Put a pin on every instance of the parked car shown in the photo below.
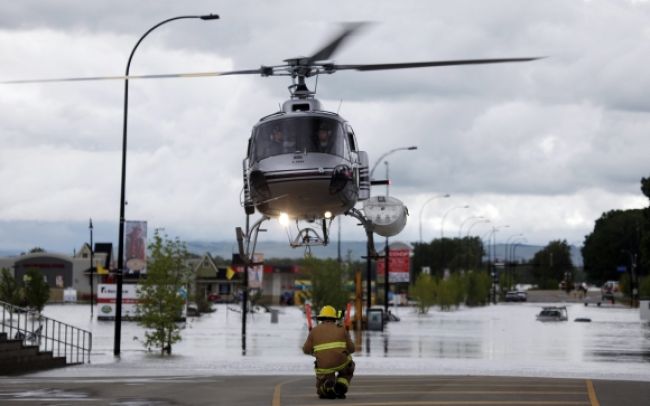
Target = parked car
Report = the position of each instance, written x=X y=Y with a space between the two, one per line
x=608 y=290
x=516 y=296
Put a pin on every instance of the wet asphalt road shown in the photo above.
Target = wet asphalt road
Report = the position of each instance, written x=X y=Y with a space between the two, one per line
x=299 y=390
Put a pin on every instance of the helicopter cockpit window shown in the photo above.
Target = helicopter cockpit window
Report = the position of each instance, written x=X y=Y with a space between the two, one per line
x=299 y=134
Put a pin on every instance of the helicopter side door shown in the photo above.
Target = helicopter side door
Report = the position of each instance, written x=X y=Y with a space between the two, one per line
x=360 y=165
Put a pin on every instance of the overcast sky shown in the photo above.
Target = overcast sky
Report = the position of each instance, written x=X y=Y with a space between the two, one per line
x=545 y=147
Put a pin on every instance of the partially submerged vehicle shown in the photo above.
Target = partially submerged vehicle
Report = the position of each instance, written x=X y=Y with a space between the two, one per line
x=553 y=313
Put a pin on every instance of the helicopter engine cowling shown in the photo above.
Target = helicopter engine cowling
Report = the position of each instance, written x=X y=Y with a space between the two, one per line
x=342 y=176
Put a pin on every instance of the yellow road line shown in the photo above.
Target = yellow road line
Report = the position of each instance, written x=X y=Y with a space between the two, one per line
x=592 y=393
x=470 y=379
x=463 y=402
x=459 y=392
x=277 y=391
x=490 y=385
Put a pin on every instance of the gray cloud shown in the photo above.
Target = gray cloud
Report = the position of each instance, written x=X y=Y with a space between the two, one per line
x=545 y=146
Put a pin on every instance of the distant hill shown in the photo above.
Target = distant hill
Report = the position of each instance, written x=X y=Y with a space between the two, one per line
x=356 y=249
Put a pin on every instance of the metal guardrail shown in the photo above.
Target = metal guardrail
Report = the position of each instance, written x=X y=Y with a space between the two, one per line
x=48 y=334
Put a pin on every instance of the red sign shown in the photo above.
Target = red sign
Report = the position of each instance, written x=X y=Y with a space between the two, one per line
x=399 y=263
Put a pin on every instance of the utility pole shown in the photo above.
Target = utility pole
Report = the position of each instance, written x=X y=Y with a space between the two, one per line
x=386 y=253
x=92 y=267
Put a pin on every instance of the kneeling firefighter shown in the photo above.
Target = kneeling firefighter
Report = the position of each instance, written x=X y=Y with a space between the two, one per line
x=330 y=343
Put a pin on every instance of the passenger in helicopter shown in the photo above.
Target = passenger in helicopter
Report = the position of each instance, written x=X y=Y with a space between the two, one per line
x=324 y=136
x=276 y=142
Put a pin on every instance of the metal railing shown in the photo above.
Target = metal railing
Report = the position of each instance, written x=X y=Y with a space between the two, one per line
x=62 y=339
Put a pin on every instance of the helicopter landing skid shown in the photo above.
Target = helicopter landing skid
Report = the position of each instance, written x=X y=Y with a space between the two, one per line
x=309 y=236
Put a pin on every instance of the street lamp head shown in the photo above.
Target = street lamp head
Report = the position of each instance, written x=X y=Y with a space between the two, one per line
x=209 y=17
x=414 y=147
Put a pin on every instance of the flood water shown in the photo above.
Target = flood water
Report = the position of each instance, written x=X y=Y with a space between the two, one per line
x=503 y=339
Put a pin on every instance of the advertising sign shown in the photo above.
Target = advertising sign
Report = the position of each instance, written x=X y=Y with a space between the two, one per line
x=106 y=301
x=256 y=272
x=135 y=253
x=399 y=262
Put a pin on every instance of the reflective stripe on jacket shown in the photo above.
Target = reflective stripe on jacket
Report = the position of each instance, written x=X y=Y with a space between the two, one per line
x=331 y=345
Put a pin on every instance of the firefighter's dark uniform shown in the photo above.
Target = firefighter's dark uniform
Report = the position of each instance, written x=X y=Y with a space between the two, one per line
x=332 y=346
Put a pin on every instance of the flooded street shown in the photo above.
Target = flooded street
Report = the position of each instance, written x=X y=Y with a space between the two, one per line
x=503 y=339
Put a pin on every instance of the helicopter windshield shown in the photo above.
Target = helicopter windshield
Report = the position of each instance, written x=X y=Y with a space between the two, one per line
x=298 y=134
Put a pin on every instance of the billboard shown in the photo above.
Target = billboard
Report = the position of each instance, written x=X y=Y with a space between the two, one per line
x=135 y=252
x=256 y=272
x=106 y=300
x=399 y=263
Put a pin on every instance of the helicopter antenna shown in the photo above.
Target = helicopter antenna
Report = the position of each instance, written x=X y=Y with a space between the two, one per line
x=340 y=104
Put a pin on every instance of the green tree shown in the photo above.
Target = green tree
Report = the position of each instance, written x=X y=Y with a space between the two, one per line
x=10 y=292
x=37 y=291
x=644 y=288
x=616 y=237
x=450 y=292
x=423 y=291
x=477 y=288
x=447 y=253
x=644 y=260
x=551 y=263
x=328 y=279
x=161 y=304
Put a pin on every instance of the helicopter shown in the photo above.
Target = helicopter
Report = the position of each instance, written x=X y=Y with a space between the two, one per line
x=303 y=163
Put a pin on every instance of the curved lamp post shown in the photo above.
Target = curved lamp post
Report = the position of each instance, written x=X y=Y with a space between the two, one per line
x=442 y=222
x=386 y=250
x=411 y=148
x=460 y=229
x=120 y=246
x=424 y=205
x=505 y=248
x=469 y=229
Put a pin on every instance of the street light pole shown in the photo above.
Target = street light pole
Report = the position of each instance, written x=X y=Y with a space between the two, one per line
x=411 y=148
x=469 y=229
x=92 y=267
x=386 y=250
x=424 y=205
x=442 y=222
x=120 y=245
x=460 y=229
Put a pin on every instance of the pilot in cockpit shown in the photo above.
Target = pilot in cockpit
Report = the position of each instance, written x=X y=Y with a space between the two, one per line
x=324 y=138
x=276 y=140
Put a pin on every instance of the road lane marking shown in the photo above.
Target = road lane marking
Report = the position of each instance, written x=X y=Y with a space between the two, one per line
x=488 y=385
x=277 y=391
x=459 y=392
x=466 y=402
x=462 y=402
x=592 y=393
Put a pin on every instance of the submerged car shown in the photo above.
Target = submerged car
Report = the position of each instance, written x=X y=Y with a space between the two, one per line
x=553 y=313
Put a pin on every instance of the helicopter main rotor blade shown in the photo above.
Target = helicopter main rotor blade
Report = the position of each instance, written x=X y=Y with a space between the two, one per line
x=328 y=50
x=407 y=65
x=259 y=71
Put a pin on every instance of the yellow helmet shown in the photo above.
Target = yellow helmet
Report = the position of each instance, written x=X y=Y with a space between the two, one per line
x=327 y=312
